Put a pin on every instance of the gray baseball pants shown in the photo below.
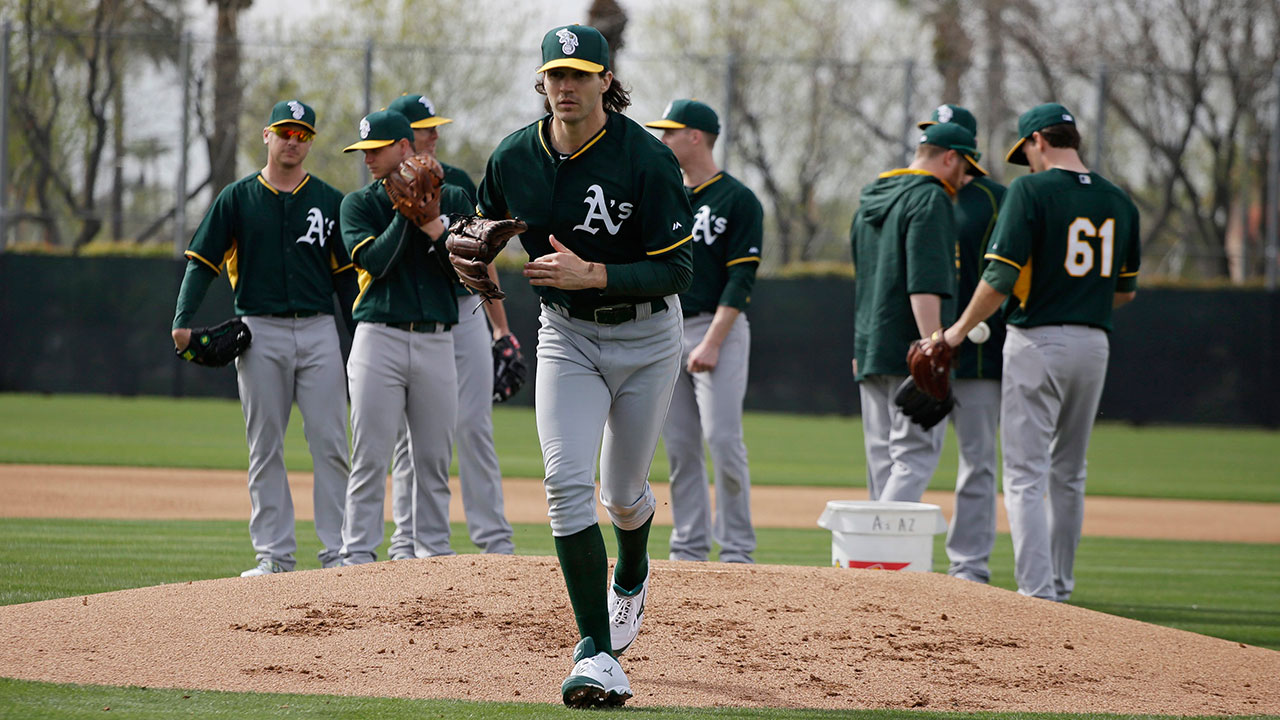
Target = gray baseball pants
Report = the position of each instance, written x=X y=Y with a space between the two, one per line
x=294 y=359
x=972 y=533
x=396 y=375
x=708 y=406
x=601 y=397
x=901 y=455
x=478 y=470
x=1052 y=383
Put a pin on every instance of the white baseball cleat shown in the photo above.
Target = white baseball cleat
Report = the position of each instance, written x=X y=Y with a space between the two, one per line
x=626 y=610
x=266 y=567
x=597 y=679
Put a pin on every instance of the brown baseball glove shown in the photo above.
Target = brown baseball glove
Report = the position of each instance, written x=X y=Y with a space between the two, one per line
x=930 y=364
x=414 y=188
x=473 y=243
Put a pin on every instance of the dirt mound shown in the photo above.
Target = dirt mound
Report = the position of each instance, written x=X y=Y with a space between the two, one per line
x=499 y=628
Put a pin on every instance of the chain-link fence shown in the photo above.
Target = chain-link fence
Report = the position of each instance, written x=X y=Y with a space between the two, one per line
x=120 y=138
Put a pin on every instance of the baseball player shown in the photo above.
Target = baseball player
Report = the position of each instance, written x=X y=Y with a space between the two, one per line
x=904 y=249
x=1066 y=248
x=608 y=234
x=274 y=232
x=401 y=362
x=707 y=402
x=478 y=470
x=976 y=386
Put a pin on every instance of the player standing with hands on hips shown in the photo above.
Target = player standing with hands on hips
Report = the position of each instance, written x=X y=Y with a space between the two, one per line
x=904 y=247
x=276 y=233
x=608 y=233
x=1066 y=248
x=478 y=471
x=728 y=227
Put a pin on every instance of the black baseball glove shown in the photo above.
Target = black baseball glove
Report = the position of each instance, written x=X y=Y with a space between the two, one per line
x=218 y=345
x=508 y=368
x=924 y=409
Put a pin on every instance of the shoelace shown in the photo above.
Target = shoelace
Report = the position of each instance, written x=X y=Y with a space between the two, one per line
x=623 y=612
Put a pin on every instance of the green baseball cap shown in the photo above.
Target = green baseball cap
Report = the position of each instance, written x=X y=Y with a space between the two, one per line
x=688 y=114
x=952 y=114
x=292 y=112
x=1033 y=121
x=381 y=128
x=580 y=47
x=955 y=137
x=420 y=111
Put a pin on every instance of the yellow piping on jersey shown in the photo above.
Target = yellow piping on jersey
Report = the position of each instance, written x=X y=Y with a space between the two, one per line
x=266 y=184
x=356 y=249
x=301 y=184
x=590 y=142
x=1022 y=286
x=581 y=150
x=233 y=265
x=196 y=256
x=913 y=171
x=993 y=256
x=1128 y=274
x=703 y=186
x=673 y=247
x=995 y=212
x=753 y=258
x=364 y=280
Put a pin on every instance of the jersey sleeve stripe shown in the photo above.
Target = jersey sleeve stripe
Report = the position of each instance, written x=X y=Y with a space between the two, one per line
x=686 y=239
x=753 y=258
x=993 y=256
x=196 y=256
x=344 y=268
x=357 y=248
x=1129 y=274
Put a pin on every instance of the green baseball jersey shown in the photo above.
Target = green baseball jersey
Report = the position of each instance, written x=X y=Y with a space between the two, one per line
x=976 y=209
x=903 y=239
x=618 y=200
x=1072 y=239
x=403 y=275
x=280 y=249
x=728 y=227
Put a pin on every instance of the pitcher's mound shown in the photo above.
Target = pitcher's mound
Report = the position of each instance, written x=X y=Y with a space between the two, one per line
x=500 y=628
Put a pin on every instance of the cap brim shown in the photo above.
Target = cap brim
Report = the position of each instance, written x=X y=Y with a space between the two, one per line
x=926 y=123
x=666 y=124
x=367 y=145
x=1016 y=156
x=574 y=63
x=974 y=168
x=430 y=122
x=291 y=121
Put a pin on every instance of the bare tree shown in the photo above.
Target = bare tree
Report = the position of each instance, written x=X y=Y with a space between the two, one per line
x=227 y=93
x=610 y=19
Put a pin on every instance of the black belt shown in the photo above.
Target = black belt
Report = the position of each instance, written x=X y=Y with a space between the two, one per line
x=612 y=314
x=295 y=315
x=690 y=316
x=421 y=327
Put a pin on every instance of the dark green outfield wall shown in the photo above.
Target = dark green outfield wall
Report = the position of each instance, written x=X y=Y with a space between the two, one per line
x=101 y=325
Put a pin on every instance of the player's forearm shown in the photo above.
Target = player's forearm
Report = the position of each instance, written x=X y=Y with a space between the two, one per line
x=927 y=310
x=985 y=302
x=496 y=311
x=648 y=277
x=195 y=285
x=1123 y=298
x=721 y=324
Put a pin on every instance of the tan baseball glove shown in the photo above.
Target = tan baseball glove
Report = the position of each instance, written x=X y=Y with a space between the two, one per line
x=473 y=243
x=930 y=361
x=414 y=188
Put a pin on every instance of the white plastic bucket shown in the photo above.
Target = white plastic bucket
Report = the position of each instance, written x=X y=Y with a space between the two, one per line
x=886 y=535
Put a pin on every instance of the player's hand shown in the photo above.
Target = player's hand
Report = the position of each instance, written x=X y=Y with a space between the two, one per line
x=565 y=270
x=181 y=338
x=434 y=229
x=704 y=357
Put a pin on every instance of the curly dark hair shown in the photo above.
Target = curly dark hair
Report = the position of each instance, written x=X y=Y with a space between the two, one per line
x=616 y=98
x=1062 y=135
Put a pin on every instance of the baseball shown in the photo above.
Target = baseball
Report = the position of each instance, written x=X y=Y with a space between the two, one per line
x=980 y=333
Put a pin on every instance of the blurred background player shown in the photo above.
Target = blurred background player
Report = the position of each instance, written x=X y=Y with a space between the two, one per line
x=1079 y=233
x=284 y=292
x=479 y=473
x=608 y=235
x=976 y=385
x=401 y=364
x=728 y=227
x=904 y=248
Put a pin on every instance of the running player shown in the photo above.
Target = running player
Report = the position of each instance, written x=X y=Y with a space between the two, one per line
x=608 y=235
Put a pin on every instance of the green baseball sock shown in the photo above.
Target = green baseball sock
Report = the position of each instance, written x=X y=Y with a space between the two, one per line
x=584 y=562
x=633 y=556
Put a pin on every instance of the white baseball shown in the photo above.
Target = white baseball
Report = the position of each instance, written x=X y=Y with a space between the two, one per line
x=979 y=334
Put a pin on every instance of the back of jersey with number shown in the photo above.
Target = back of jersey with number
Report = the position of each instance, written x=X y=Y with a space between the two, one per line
x=1074 y=237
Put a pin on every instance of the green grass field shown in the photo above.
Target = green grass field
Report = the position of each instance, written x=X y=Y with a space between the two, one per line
x=1221 y=589
x=1168 y=462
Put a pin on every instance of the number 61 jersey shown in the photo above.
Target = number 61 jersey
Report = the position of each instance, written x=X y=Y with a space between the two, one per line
x=1073 y=238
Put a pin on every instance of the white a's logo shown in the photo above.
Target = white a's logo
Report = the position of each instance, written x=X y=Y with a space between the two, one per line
x=598 y=209
x=707 y=228
x=364 y=128
x=297 y=110
x=944 y=114
x=568 y=41
x=427 y=104
x=317 y=228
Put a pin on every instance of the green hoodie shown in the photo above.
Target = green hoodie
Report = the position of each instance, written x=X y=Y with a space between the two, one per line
x=904 y=243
